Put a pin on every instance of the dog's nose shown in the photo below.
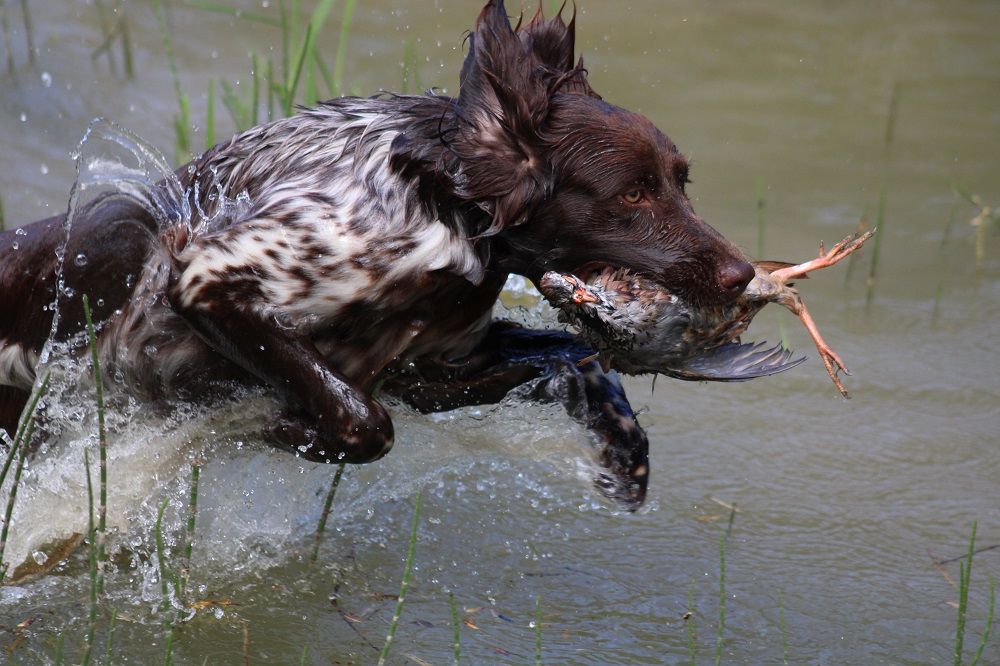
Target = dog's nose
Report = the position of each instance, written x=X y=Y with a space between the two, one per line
x=735 y=276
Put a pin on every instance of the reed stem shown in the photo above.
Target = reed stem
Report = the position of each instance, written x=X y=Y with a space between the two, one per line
x=192 y=512
x=411 y=548
x=102 y=434
x=22 y=442
x=92 y=558
x=321 y=528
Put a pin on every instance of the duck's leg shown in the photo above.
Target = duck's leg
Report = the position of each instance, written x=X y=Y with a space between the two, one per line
x=837 y=253
x=565 y=371
x=833 y=363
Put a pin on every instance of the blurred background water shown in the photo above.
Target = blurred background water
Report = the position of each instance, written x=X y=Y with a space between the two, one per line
x=798 y=116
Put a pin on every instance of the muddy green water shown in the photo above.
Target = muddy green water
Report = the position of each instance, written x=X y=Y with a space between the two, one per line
x=843 y=506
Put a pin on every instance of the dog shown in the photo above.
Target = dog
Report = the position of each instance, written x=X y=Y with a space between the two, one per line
x=378 y=236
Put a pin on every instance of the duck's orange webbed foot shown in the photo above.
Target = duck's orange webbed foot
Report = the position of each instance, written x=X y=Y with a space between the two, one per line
x=837 y=253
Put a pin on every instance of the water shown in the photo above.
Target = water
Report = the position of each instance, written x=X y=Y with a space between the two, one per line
x=842 y=506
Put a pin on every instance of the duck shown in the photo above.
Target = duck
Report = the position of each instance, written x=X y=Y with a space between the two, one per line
x=639 y=327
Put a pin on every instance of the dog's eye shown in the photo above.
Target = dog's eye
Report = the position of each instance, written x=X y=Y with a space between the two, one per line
x=633 y=196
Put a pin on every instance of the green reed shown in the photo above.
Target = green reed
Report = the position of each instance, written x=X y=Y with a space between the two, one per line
x=321 y=528
x=404 y=585
x=182 y=121
x=19 y=448
x=761 y=221
x=210 y=116
x=876 y=250
x=852 y=260
x=92 y=559
x=411 y=68
x=29 y=33
x=964 y=582
x=102 y=434
x=7 y=38
x=112 y=34
x=108 y=34
x=341 y=57
x=189 y=529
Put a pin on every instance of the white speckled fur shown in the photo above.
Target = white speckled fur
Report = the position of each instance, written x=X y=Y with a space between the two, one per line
x=338 y=206
x=17 y=365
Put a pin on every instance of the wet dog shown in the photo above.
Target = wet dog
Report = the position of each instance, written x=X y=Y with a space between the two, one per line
x=378 y=235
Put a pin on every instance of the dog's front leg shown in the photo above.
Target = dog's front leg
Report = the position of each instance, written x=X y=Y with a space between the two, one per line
x=511 y=356
x=340 y=423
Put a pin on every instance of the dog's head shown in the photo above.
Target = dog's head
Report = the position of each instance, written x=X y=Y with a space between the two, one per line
x=570 y=182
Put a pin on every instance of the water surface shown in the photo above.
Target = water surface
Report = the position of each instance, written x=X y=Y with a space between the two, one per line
x=842 y=506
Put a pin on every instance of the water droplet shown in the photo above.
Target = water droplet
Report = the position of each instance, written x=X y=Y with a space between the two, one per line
x=44 y=169
x=20 y=231
x=15 y=246
x=69 y=292
x=100 y=302
x=80 y=259
x=149 y=350
x=39 y=557
x=46 y=79
x=24 y=117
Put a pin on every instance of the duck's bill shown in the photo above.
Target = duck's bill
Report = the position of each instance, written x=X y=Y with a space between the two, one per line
x=737 y=362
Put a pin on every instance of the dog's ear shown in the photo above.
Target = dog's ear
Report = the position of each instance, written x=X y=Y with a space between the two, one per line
x=552 y=42
x=502 y=102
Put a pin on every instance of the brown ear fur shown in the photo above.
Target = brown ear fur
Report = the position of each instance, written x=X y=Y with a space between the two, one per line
x=508 y=79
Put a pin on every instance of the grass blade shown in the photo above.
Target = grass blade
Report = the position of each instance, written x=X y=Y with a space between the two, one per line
x=210 y=116
x=989 y=623
x=92 y=558
x=345 y=31
x=126 y=44
x=255 y=91
x=161 y=560
x=7 y=41
x=237 y=110
x=183 y=121
x=760 y=219
x=326 y=510
x=29 y=33
x=404 y=584
x=220 y=8
x=873 y=269
x=964 y=577
x=102 y=434
x=192 y=513
x=300 y=60
x=22 y=441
